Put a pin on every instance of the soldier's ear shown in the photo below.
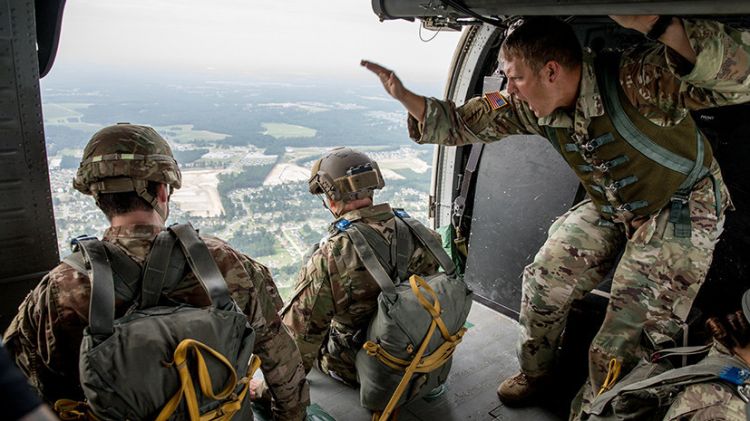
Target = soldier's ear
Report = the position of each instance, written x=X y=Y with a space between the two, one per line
x=551 y=71
x=163 y=192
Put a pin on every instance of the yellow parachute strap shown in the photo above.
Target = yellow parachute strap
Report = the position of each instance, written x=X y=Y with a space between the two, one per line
x=460 y=243
x=429 y=363
x=187 y=389
x=418 y=363
x=613 y=372
x=70 y=410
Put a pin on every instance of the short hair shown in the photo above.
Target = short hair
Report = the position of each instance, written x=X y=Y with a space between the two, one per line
x=537 y=40
x=113 y=204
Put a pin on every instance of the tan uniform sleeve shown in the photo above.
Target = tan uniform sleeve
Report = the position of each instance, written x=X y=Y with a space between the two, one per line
x=473 y=122
x=658 y=80
x=44 y=337
x=280 y=359
x=312 y=307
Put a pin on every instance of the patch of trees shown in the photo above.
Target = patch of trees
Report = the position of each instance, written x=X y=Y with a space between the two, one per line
x=250 y=176
x=60 y=137
x=254 y=244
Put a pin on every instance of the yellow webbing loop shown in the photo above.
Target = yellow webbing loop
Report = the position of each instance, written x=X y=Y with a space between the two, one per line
x=419 y=363
x=187 y=389
x=613 y=372
x=460 y=243
x=70 y=410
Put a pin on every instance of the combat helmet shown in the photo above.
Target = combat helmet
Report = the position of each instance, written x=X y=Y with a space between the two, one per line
x=344 y=174
x=123 y=158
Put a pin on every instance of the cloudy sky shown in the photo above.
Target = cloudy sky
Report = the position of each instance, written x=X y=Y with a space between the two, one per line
x=263 y=39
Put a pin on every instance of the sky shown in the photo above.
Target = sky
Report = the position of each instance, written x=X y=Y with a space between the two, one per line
x=257 y=39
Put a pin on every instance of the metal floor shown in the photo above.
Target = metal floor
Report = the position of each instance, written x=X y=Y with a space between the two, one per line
x=484 y=358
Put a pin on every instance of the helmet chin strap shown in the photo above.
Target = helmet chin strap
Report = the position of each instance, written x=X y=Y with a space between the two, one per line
x=163 y=212
x=325 y=205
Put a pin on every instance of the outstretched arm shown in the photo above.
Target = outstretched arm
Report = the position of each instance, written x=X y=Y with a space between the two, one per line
x=706 y=65
x=414 y=104
x=673 y=37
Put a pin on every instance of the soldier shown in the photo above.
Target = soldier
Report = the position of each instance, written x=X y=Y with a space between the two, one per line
x=335 y=296
x=719 y=400
x=131 y=173
x=656 y=193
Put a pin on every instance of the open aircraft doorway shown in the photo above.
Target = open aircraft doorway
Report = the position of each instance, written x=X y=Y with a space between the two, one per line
x=245 y=143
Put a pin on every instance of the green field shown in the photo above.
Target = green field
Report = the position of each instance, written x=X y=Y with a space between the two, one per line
x=60 y=113
x=184 y=133
x=283 y=130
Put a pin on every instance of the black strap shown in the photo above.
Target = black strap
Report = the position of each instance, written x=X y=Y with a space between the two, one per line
x=426 y=237
x=459 y=204
x=203 y=265
x=156 y=269
x=102 y=302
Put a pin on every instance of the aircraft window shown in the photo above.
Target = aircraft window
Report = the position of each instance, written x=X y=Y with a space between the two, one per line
x=247 y=103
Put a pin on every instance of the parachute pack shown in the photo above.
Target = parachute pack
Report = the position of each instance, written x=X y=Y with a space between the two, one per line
x=647 y=392
x=162 y=360
x=418 y=324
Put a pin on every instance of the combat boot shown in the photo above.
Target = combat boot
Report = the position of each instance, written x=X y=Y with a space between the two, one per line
x=519 y=389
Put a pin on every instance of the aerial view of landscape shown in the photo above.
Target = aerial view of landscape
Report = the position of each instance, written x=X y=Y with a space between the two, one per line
x=245 y=150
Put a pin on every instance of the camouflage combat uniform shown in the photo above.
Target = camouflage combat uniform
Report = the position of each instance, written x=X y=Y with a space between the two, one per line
x=659 y=274
x=713 y=401
x=335 y=297
x=45 y=335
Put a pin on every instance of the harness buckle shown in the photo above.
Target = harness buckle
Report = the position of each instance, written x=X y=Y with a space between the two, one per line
x=680 y=197
x=743 y=391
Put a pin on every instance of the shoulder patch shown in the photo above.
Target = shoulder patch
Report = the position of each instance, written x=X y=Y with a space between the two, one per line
x=496 y=100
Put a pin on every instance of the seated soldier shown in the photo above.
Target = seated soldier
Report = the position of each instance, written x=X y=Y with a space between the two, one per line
x=719 y=400
x=131 y=173
x=335 y=296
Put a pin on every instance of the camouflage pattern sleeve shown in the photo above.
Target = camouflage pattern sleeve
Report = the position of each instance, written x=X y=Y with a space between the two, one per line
x=475 y=121
x=252 y=287
x=312 y=307
x=44 y=336
x=659 y=81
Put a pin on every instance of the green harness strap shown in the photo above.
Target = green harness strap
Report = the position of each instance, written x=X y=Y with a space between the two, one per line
x=102 y=302
x=159 y=274
x=126 y=273
x=401 y=249
x=373 y=266
x=693 y=170
x=395 y=259
x=426 y=237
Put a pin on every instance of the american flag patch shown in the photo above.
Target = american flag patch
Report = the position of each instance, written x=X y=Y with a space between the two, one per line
x=495 y=100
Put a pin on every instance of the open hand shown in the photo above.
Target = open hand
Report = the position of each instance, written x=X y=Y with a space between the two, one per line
x=641 y=23
x=391 y=83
